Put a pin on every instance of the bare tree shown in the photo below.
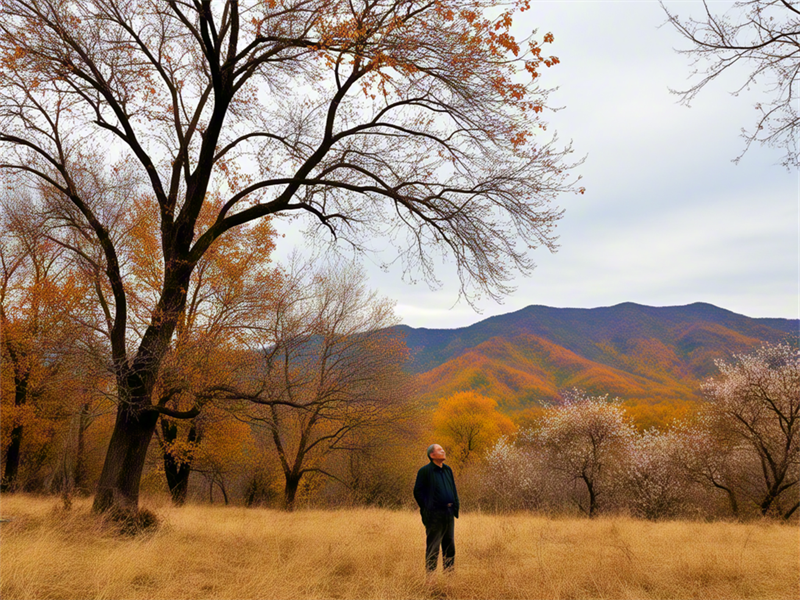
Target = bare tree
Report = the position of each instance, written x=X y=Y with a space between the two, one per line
x=407 y=119
x=764 y=35
x=332 y=372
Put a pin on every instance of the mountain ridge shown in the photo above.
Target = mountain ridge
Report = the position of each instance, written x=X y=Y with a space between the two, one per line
x=653 y=358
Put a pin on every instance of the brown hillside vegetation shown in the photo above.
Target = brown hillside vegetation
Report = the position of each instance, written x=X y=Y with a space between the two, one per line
x=216 y=552
x=528 y=370
x=653 y=358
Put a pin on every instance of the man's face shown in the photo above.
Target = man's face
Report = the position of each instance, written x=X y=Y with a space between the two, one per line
x=438 y=453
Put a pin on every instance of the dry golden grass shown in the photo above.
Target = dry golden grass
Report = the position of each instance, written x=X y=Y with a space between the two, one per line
x=218 y=552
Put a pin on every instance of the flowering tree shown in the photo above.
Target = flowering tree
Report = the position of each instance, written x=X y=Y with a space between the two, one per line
x=418 y=121
x=709 y=456
x=744 y=444
x=515 y=475
x=656 y=486
x=585 y=440
x=757 y=400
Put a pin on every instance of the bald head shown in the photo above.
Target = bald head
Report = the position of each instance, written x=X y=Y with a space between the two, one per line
x=436 y=454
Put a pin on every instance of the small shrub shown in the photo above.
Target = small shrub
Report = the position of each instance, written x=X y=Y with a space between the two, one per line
x=134 y=522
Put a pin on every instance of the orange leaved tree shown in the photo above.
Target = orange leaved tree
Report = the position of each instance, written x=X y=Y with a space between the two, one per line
x=38 y=291
x=468 y=424
x=222 y=448
x=229 y=289
x=415 y=120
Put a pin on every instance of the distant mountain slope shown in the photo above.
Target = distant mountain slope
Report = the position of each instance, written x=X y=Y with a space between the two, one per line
x=653 y=358
x=791 y=326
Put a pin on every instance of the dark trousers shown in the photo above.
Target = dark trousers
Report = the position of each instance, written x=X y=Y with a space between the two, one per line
x=440 y=531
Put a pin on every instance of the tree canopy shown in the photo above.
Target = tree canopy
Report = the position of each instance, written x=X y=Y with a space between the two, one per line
x=417 y=121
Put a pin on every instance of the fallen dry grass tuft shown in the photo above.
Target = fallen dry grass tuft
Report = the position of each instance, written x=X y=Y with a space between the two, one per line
x=218 y=552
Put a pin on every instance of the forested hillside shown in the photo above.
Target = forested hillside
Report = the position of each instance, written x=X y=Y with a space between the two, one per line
x=653 y=358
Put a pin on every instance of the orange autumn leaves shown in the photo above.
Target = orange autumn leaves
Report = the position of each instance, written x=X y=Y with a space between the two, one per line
x=40 y=305
x=467 y=424
x=473 y=44
x=525 y=371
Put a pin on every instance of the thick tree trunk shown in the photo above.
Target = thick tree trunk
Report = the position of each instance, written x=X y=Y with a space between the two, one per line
x=9 y=482
x=592 y=496
x=177 y=472
x=118 y=487
x=11 y=468
x=734 y=504
x=290 y=491
x=136 y=422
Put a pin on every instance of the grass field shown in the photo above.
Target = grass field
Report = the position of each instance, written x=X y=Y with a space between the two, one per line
x=226 y=552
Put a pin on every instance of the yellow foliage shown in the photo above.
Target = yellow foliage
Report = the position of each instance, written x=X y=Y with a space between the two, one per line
x=226 y=444
x=467 y=424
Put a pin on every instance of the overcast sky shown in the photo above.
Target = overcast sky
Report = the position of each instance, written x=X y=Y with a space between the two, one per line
x=667 y=218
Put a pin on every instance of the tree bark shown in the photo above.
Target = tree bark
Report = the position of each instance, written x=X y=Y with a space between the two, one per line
x=137 y=418
x=791 y=511
x=9 y=481
x=221 y=485
x=732 y=500
x=290 y=491
x=592 y=496
x=177 y=472
x=766 y=502
x=122 y=471
x=80 y=474
x=774 y=490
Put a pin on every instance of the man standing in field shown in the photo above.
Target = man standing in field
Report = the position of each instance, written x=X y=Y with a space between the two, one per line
x=436 y=495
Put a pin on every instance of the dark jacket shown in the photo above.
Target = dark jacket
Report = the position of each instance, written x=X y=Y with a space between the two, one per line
x=423 y=490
